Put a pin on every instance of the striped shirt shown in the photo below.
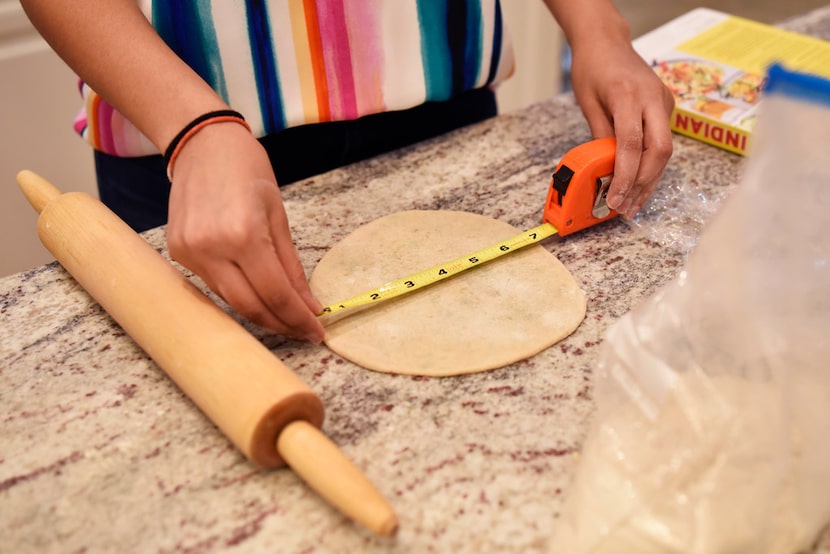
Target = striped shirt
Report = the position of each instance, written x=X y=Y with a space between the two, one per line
x=284 y=63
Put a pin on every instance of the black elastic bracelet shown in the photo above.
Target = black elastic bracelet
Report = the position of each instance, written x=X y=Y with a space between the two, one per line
x=168 y=154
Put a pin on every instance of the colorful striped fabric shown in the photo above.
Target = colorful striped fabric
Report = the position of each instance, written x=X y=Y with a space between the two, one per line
x=284 y=63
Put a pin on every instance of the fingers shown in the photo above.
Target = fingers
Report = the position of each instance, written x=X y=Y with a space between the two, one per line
x=228 y=225
x=246 y=271
x=639 y=164
x=229 y=281
x=271 y=297
x=623 y=189
x=627 y=126
x=599 y=119
x=290 y=259
x=644 y=147
x=621 y=96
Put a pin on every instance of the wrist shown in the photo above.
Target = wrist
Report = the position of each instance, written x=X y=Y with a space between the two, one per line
x=190 y=130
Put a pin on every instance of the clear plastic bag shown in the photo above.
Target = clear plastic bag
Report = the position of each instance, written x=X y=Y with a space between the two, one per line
x=677 y=212
x=713 y=396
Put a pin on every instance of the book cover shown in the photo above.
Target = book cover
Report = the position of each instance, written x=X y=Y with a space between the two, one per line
x=714 y=63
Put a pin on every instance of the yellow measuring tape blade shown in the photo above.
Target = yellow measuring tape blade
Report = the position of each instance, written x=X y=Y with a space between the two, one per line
x=413 y=282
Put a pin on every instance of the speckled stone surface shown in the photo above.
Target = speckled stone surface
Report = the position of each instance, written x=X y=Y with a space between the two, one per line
x=100 y=452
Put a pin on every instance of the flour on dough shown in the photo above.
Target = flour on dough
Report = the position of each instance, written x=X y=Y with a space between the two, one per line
x=487 y=317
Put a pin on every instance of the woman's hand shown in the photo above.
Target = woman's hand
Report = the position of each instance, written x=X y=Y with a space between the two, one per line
x=228 y=225
x=621 y=96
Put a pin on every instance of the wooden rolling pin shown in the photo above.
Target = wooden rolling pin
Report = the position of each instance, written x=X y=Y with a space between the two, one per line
x=258 y=402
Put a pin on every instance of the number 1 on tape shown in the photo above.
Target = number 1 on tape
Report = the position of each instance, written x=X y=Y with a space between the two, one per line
x=440 y=272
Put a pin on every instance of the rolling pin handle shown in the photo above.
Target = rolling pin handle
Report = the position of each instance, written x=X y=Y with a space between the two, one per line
x=37 y=190
x=318 y=461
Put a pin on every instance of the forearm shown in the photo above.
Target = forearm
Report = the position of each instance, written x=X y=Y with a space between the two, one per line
x=114 y=49
x=587 y=22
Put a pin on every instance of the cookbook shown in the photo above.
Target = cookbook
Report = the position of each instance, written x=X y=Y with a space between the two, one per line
x=714 y=63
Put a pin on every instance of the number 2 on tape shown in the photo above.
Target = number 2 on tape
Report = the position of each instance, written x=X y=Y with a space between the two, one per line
x=442 y=271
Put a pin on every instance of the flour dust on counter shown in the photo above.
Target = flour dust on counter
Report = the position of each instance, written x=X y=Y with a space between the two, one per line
x=490 y=316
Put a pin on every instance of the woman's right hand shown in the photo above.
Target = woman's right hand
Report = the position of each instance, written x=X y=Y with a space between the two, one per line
x=228 y=225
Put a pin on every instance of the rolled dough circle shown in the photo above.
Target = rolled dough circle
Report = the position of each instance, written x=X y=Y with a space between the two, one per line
x=486 y=317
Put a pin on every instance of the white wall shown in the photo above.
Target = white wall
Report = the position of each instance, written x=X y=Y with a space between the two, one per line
x=39 y=99
x=537 y=41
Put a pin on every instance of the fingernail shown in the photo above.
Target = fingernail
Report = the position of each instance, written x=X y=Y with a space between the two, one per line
x=315 y=338
x=311 y=301
x=614 y=201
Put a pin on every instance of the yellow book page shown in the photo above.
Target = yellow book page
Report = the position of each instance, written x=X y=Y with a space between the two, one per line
x=752 y=46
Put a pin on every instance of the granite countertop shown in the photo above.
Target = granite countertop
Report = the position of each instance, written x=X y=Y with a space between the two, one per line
x=99 y=451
